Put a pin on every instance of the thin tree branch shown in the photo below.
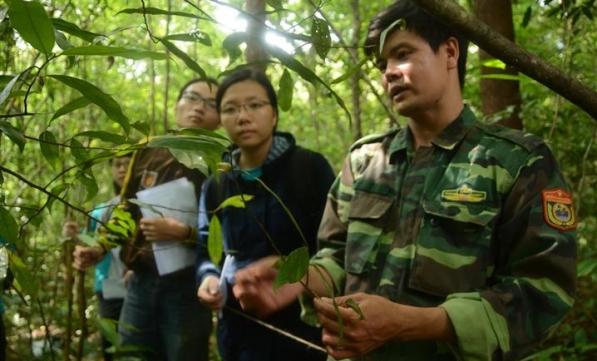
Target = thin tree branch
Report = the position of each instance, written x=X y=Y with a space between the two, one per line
x=511 y=54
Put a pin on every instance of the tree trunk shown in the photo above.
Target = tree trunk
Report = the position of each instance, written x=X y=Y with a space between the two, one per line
x=355 y=90
x=255 y=31
x=499 y=95
x=513 y=55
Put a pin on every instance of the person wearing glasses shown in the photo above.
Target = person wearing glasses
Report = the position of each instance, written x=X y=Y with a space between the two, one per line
x=161 y=319
x=264 y=167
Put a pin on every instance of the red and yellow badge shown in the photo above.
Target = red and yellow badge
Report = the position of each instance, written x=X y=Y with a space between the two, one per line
x=558 y=210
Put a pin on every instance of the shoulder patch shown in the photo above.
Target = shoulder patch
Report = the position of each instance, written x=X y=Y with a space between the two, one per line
x=525 y=140
x=558 y=211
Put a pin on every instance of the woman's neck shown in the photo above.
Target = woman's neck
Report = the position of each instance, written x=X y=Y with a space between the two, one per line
x=254 y=157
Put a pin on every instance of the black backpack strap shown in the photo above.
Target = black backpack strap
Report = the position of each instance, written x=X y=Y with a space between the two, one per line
x=302 y=182
x=216 y=191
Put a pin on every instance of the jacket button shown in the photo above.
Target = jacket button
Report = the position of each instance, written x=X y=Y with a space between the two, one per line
x=434 y=222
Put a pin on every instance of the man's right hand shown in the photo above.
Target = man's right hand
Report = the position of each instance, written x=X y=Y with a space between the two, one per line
x=86 y=256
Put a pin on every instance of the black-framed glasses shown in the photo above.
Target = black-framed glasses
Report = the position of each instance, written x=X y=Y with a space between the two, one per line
x=252 y=107
x=196 y=98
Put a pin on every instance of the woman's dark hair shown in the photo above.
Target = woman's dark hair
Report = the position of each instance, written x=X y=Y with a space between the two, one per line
x=248 y=74
x=420 y=22
x=208 y=80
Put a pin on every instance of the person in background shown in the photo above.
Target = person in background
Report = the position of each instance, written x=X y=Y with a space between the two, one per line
x=263 y=158
x=161 y=317
x=448 y=239
x=109 y=270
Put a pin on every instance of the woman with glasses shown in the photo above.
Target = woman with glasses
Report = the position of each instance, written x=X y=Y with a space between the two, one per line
x=273 y=174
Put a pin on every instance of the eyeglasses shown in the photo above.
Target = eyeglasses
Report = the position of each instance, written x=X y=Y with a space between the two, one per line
x=196 y=98
x=233 y=110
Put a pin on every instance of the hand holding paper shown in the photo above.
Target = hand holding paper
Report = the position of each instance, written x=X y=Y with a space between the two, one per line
x=173 y=200
x=163 y=229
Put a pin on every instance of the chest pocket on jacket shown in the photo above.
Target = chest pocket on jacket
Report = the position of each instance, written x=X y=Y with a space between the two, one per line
x=367 y=216
x=453 y=248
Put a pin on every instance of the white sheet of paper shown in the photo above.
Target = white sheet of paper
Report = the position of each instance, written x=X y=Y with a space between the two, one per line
x=113 y=288
x=222 y=283
x=176 y=199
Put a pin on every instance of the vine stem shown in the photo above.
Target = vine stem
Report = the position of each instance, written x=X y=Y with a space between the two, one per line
x=275 y=329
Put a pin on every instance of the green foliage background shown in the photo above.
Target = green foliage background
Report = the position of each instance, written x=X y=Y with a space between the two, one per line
x=79 y=77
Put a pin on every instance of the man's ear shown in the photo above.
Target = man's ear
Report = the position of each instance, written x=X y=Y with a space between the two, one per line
x=452 y=50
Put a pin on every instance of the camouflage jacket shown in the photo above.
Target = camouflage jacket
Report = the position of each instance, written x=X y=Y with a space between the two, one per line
x=480 y=223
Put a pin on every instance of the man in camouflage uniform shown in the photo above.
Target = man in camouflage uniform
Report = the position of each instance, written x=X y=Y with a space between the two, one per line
x=450 y=239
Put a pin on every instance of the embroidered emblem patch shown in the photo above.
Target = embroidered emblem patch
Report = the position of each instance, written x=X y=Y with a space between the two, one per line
x=558 y=211
x=149 y=178
x=464 y=193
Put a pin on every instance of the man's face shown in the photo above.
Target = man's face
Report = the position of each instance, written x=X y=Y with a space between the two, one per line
x=197 y=107
x=414 y=77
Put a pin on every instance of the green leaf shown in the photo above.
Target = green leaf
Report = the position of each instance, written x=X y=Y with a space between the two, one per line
x=49 y=148
x=105 y=136
x=9 y=230
x=71 y=106
x=527 y=17
x=305 y=73
x=501 y=77
x=276 y=4
x=109 y=329
x=75 y=30
x=200 y=132
x=293 y=268
x=286 y=91
x=586 y=267
x=142 y=127
x=196 y=36
x=320 y=37
x=33 y=213
x=13 y=134
x=494 y=63
x=62 y=41
x=79 y=151
x=30 y=19
x=135 y=54
x=23 y=277
x=215 y=242
x=237 y=201
x=90 y=185
x=58 y=189
x=191 y=147
x=156 y=11
x=122 y=223
x=232 y=45
x=184 y=57
x=87 y=239
x=350 y=71
x=355 y=306
x=8 y=89
x=98 y=97
x=1 y=178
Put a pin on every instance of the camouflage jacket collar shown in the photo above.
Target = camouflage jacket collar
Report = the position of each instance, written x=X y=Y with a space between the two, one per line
x=447 y=139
